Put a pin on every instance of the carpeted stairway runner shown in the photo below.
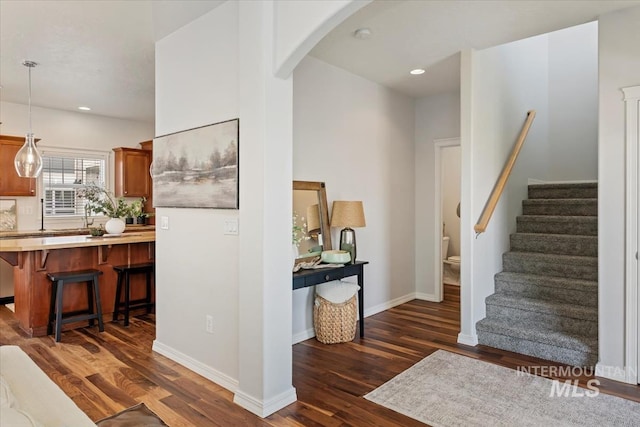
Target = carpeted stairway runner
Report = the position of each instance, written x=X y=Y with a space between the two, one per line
x=546 y=299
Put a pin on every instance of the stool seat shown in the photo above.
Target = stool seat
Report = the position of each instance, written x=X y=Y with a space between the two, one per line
x=124 y=277
x=76 y=276
x=58 y=281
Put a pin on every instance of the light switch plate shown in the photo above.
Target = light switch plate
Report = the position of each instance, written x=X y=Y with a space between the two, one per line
x=164 y=222
x=231 y=226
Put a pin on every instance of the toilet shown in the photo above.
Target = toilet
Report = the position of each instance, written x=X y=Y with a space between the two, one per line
x=450 y=265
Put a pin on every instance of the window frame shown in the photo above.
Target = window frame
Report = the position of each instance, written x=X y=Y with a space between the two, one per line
x=106 y=156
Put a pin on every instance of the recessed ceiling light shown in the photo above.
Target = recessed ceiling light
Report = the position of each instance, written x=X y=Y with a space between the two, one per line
x=417 y=71
x=84 y=108
x=362 y=33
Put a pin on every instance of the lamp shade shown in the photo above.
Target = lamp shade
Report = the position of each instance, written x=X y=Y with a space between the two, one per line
x=313 y=218
x=347 y=214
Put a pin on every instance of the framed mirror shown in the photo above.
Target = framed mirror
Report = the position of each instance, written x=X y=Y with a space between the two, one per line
x=311 y=230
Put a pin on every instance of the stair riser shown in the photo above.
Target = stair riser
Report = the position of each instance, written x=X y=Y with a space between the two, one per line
x=569 y=245
x=530 y=207
x=535 y=349
x=543 y=320
x=584 y=229
x=585 y=298
x=586 y=272
x=563 y=193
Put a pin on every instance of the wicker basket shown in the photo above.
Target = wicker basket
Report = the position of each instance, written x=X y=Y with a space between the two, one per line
x=333 y=322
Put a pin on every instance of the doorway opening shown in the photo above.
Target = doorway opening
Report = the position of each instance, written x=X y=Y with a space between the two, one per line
x=447 y=158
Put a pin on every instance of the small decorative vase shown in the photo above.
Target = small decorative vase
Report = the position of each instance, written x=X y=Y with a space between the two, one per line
x=114 y=226
x=294 y=254
x=141 y=220
x=129 y=220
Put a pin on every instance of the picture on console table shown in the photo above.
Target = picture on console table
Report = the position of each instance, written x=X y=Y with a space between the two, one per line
x=197 y=168
x=8 y=215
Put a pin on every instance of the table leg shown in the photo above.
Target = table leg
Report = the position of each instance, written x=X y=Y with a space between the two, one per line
x=361 y=301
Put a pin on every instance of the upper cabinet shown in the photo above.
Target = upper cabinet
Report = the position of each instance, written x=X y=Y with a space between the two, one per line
x=10 y=183
x=132 y=172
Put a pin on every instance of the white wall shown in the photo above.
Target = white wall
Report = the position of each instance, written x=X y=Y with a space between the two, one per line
x=451 y=197
x=573 y=103
x=357 y=137
x=506 y=82
x=619 y=62
x=196 y=264
x=436 y=117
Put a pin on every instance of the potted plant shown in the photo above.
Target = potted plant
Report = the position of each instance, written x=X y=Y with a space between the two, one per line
x=137 y=211
x=100 y=201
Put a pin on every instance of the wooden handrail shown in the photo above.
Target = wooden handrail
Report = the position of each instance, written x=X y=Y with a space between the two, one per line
x=481 y=226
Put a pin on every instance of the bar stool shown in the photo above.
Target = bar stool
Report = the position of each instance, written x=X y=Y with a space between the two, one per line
x=56 y=315
x=124 y=275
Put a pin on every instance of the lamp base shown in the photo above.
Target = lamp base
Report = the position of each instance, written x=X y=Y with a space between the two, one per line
x=348 y=242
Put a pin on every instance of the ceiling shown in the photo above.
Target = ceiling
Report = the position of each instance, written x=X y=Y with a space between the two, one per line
x=101 y=53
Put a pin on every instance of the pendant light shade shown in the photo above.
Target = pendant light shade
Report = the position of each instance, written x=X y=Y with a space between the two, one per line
x=28 y=161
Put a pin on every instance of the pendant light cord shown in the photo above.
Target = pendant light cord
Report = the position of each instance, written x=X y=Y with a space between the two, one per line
x=30 y=128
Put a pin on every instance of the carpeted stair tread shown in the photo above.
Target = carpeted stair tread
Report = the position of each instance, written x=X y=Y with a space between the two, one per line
x=585 y=225
x=570 y=207
x=560 y=309
x=560 y=289
x=548 y=345
x=563 y=191
x=562 y=244
x=558 y=339
x=570 y=266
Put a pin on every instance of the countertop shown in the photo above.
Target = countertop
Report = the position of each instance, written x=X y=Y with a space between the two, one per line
x=25 y=244
x=65 y=232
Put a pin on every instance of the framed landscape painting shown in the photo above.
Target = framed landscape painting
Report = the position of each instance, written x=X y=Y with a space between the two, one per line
x=197 y=168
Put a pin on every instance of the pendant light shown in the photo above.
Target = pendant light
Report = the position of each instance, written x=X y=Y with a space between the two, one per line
x=28 y=161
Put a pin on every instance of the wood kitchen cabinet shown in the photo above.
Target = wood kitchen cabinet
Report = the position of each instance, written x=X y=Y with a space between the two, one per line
x=10 y=183
x=132 y=172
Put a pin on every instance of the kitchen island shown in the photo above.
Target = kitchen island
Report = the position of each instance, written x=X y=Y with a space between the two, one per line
x=32 y=258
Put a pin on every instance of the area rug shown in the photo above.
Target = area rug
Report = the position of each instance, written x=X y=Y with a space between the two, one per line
x=446 y=389
x=136 y=416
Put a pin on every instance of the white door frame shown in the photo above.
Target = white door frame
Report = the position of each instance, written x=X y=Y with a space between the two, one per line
x=632 y=269
x=438 y=146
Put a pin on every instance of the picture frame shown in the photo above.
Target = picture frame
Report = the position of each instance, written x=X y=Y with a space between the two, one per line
x=8 y=215
x=197 y=168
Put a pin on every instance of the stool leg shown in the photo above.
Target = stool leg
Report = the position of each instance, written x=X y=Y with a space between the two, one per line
x=127 y=291
x=148 y=298
x=96 y=291
x=90 y=300
x=59 y=293
x=52 y=307
x=116 y=306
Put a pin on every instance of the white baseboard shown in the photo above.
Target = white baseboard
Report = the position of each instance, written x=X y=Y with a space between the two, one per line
x=615 y=373
x=196 y=366
x=426 y=297
x=264 y=409
x=303 y=336
x=465 y=339
x=389 y=304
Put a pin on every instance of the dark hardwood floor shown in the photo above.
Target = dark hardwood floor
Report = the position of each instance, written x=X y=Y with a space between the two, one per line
x=105 y=373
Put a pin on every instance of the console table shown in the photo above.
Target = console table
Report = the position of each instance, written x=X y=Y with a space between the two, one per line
x=306 y=278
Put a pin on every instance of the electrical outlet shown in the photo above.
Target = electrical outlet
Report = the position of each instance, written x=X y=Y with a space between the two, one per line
x=209 y=324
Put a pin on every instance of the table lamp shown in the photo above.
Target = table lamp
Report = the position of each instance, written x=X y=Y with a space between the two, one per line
x=348 y=214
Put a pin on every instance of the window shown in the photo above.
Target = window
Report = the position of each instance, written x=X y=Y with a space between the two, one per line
x=63 y=174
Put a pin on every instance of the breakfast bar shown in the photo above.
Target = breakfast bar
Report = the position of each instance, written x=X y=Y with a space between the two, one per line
x=32 y=258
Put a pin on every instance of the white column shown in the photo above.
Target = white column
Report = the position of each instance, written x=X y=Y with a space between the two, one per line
x=265 y=292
